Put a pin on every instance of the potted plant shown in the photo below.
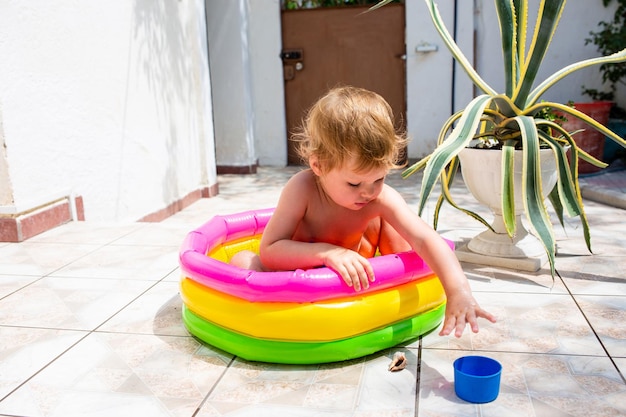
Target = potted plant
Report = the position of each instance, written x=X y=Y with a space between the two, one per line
x=610 y=38
x=514 y=124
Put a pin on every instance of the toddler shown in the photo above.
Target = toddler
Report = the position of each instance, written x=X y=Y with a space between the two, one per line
x=339 y=212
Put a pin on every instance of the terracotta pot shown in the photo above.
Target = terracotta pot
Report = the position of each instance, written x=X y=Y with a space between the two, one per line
x=590 y=140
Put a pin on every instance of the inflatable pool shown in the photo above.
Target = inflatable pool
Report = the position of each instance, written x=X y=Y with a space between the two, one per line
x=301 y=316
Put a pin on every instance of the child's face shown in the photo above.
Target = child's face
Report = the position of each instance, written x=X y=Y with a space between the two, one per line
x=350 y=188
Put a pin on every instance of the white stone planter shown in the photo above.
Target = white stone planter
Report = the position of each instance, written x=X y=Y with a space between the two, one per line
x=482 y=173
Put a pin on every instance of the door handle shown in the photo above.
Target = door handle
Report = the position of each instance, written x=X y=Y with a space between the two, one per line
x=292 y=62
x=425 y=47
x=292 y=55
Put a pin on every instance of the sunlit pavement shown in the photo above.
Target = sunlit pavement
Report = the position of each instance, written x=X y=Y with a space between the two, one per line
x=90 y=325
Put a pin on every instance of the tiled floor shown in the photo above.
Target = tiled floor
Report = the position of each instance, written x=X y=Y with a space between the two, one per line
x=90 y=326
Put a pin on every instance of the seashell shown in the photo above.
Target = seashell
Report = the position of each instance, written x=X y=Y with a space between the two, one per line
x=398 y=362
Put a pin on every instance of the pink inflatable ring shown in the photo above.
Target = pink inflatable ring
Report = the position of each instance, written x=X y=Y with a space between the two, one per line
x=299 y=286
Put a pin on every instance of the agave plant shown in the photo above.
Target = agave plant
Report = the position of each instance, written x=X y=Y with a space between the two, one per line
x=515 y=120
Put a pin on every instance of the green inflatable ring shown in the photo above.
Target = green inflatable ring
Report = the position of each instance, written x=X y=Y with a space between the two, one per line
x=276 y=351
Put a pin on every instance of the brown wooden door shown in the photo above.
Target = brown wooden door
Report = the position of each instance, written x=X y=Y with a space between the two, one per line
x=323 y=48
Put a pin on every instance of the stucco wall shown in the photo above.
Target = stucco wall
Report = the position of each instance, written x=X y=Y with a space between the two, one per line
x=109 y=100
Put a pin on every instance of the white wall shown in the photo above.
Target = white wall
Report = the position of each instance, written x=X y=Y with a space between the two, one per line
x=429 y=74
x=6 y=189
x=109 y=100
x=246 y=70
x=270 y=126
x=227 y=22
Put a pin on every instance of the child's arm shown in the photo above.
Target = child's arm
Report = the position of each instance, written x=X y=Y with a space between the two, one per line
x=461 y=308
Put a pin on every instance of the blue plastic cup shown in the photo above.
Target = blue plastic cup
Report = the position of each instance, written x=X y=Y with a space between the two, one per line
x=477 y=379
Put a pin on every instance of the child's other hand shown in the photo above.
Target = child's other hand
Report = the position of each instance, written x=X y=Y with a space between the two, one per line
x=462 y=309
x=355 y=270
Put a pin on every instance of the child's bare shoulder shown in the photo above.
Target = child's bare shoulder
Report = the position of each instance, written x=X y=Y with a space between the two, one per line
x=302 y=180
x=389 y=195
x=296 y=194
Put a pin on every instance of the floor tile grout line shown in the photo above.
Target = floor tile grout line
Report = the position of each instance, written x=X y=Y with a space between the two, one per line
x=514 y=352
x=137 y=226
x=206 y=397
x=418 y=377
x=87 y=334
x=97 y=247
x=49 y=274
x=95 y=329
x=580 y=309
x=154 y=284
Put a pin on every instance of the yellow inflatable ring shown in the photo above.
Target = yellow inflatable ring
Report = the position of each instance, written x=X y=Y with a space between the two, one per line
x=320 y=321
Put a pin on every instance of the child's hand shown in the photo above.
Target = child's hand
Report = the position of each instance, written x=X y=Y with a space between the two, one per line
x=355 y=270
x=462 y=309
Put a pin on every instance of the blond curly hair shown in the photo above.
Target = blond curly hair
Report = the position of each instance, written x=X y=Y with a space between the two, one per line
x=351 y=122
